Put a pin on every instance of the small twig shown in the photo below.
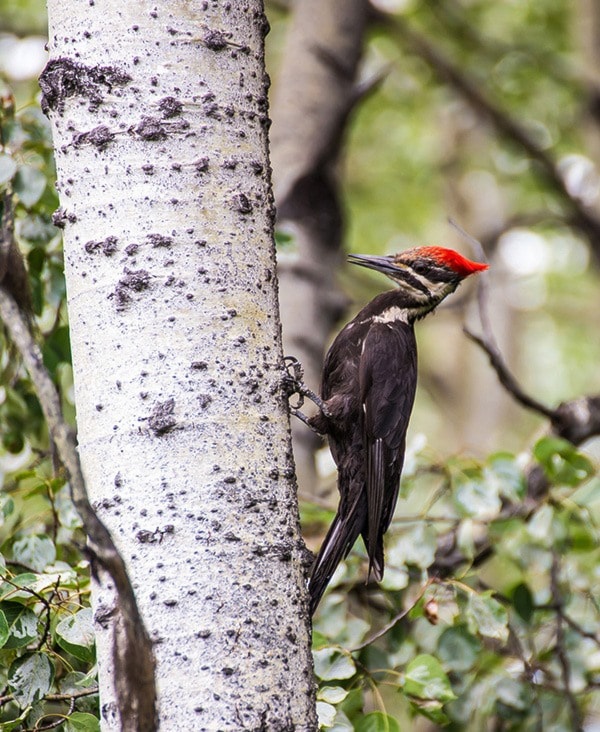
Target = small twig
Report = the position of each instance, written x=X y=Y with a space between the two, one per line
x=561 y=650
x=55 y=518
x=58 y=697
x=396 y=619
x=46 y=632
x=578 y=629
x=365 y=87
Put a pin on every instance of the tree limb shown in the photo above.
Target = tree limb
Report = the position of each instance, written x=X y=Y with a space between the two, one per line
x=507 y=380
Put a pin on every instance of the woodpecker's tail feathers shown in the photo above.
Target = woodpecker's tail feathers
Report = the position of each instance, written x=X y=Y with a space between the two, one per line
x=376 y=484
x=376 y=558
x=342 y=534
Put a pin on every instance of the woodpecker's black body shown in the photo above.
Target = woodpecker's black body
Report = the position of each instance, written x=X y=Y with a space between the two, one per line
x=368 y=386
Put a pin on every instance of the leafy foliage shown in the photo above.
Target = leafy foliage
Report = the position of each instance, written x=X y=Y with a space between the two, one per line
x=505 y=628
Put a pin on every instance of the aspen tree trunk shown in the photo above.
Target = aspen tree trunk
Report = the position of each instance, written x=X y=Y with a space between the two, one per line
x=159 y=113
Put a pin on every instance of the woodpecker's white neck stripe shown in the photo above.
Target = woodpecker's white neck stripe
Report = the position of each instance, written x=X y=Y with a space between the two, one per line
x=393 y=315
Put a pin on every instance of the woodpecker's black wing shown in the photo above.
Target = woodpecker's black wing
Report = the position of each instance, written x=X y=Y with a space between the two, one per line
x=388 y=379
x=340 y=389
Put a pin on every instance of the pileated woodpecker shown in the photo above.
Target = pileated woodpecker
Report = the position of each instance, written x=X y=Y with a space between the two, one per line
x=368 y=389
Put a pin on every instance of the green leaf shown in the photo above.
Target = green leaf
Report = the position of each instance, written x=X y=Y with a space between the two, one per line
x=504 y=470
x=561 y=461
x=426 y=679
x=332 y=663
x=332 y=694
x=341 y=723
x=513 y=694
x=478 y=498
x=588 y=494
x=35 y=261
x=487 y=616
x=22 y=624
x=29 y=184
x=539 y=526
x=30 y=678
x=8 y=507
x=35 y=551
x=284 y=239
x=10 y=590
x=37 y=230
x=415 y=545
x=82 y=722
x=319 y=640
x=326 y=714
x=8 y=167
x=4 y=629
x=76 y=634
x=433 y=710
x=61 y=343
x=377 y=722
x=522 y=600
x=458 y=649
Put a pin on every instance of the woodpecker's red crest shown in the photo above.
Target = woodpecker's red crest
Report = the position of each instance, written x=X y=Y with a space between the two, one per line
x=446 y=258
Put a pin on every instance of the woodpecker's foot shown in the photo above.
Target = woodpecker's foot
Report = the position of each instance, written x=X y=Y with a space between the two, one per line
x=294 y=384
x=303 y=418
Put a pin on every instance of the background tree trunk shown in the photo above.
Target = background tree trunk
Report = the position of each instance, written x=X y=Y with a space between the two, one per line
x=160 y=120
x=316 y=90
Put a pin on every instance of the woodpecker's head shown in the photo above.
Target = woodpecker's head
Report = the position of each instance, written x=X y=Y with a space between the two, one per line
x=425 y=275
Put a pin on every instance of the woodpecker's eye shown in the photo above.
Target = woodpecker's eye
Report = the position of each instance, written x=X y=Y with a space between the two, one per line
x=421 y=268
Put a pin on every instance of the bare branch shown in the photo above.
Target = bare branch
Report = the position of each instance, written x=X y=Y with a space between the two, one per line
x=505 y=377
x=396 y=619
x=561 y=650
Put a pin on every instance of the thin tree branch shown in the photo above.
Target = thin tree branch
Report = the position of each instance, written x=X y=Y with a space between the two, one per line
x=506 y=378
x=561 y=650
x=396 y=619
x=58 y=697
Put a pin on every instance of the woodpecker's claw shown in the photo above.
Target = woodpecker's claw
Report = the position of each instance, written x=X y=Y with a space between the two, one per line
x=294 y=384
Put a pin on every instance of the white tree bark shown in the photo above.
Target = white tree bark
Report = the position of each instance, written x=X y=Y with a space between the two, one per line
x=159 y=114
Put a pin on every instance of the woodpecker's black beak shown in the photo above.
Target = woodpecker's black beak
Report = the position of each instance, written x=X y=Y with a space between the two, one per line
x=379 y=264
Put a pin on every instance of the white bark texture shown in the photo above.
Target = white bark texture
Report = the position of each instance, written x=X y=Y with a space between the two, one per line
x=160 y=120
